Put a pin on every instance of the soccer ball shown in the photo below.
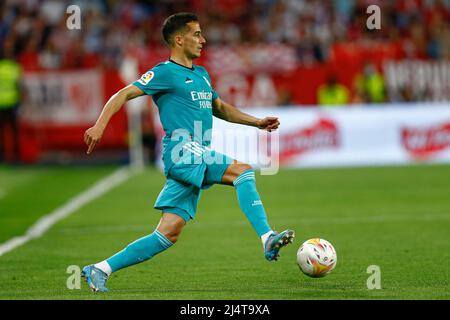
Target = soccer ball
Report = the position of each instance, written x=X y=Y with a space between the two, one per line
x=316 y=257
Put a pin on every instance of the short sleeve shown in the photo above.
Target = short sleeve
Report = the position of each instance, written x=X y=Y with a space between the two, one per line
x=208 y=78
x=154 y=81
x=214 y=94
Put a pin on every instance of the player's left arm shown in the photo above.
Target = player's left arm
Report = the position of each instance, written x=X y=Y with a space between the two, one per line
x=227 y=112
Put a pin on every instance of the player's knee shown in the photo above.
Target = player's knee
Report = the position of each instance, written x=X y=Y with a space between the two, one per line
x=172 y=229
x=243 y=168
x=234 y=171
x=172 y=237
x=239 y=169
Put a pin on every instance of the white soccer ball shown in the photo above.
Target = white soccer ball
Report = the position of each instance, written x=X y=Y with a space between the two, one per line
x=316 y=257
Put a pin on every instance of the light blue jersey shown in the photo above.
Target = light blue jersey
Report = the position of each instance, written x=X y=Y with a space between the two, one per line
x=184 y=98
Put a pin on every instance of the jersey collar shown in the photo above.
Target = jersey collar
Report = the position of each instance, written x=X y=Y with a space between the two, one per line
x=182 y=65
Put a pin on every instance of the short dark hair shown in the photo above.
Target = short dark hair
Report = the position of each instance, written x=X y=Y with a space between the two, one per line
x=175 y=23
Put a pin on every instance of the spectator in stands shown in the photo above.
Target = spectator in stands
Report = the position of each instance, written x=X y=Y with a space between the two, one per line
x=10 y=96
x=29 y=57
x=332 y=93
x=284 y=97
x=415 y=29
x=406 y=94
x=50 y=58
x=370 y=84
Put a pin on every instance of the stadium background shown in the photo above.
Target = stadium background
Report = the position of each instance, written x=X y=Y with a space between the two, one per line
x=315 y=63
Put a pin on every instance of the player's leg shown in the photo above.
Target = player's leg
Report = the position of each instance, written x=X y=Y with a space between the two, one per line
x=171 y=225
x=242 y=177
x=143 y=249
x=172 y=199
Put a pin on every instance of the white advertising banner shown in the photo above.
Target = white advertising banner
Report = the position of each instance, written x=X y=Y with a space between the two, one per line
x=63 y=97
x=342 y=136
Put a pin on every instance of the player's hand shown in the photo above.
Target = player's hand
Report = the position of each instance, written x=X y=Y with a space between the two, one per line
x=92 y=136
x=269 y=123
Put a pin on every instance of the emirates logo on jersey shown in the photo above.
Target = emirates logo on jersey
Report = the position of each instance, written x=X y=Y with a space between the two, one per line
x=425 y=142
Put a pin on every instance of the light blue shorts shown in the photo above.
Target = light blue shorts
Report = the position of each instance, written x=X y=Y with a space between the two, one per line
x=198 y=168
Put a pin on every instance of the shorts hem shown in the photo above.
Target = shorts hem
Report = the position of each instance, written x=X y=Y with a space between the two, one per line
x=178 y=211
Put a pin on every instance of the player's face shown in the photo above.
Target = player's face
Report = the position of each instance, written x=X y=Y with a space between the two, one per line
x=193 y=40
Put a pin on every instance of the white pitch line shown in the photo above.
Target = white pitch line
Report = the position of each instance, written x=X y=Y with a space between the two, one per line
x=46 y=222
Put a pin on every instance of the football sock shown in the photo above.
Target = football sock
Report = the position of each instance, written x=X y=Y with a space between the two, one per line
x=104 y=266
x=250 y=202
x=138 y=251
x=265 y=236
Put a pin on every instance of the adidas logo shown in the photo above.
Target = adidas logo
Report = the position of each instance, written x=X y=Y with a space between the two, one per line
x=188 y=80
x=256 y=203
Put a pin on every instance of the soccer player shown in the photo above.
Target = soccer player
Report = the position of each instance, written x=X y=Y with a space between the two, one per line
x=187 y=102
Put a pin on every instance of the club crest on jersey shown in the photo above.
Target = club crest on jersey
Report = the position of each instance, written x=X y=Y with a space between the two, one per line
x=147 y=77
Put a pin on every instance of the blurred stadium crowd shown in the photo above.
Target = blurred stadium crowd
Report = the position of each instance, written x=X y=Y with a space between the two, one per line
x=34 y=30
x=259 y=53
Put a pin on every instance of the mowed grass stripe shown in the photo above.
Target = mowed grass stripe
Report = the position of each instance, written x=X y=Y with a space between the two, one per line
x=47 y=221
x=376 y=216
x=31 y=192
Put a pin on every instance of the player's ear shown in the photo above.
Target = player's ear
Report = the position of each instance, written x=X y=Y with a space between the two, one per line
x=178 y=39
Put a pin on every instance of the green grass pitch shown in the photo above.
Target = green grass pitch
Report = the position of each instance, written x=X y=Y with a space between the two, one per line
x=397 y=218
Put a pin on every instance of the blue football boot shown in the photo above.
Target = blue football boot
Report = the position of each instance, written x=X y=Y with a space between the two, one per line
x=95 y=278
x=275 y=242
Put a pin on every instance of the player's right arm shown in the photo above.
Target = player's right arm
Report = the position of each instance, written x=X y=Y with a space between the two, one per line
x=93 y=135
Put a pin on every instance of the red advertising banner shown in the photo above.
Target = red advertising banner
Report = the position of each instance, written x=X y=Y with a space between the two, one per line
x=424 y=143
x=62 y=97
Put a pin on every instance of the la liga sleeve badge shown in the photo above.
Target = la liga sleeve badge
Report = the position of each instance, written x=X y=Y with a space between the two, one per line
x=146 y=77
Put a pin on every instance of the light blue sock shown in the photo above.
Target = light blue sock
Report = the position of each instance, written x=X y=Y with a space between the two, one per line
x=139 y=251
x=250 y=202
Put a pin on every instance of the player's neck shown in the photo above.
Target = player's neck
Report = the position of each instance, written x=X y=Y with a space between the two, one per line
x=182 y=60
